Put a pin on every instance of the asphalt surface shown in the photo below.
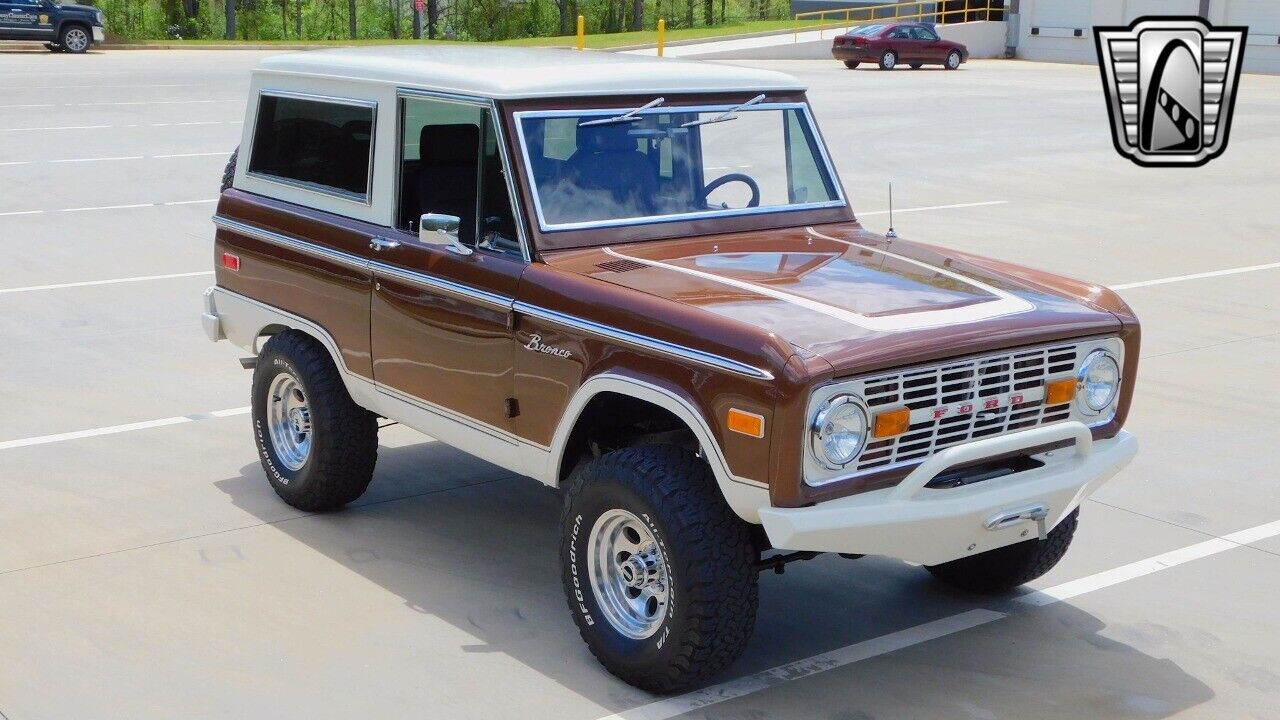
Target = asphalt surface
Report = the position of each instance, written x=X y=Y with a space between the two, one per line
x=147 y=569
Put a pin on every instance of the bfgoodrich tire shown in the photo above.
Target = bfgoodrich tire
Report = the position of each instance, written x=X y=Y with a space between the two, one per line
x=316 y=445
x=658 y=571
x=1000 y=570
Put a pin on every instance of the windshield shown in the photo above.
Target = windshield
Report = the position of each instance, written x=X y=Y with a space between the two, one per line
x=622 y=166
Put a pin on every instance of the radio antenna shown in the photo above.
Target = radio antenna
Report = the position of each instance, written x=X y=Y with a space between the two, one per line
x=892 y=233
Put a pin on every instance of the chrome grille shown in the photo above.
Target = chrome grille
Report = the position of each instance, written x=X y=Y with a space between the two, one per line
x=971 y=379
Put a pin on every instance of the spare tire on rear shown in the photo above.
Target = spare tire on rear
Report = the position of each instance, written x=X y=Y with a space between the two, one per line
x=229 y=174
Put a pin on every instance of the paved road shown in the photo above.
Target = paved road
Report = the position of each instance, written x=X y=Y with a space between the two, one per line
x=147 y=570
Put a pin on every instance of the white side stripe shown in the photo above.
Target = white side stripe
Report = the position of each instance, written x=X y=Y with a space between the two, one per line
x=732 y=689
x=116 y=429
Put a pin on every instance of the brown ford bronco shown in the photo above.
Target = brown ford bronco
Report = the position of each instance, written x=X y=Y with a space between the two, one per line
x=639 y=281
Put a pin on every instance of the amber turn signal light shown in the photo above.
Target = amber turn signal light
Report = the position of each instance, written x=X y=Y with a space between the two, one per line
x=1057 y=392
x=747 y=423
x=893 y=422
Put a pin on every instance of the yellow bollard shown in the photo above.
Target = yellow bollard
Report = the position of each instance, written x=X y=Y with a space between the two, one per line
x=662 y=35
x=582 y=31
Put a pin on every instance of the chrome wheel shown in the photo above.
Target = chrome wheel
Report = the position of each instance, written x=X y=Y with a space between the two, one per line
x=289 y=421
x=628 y=574
x=76 y=40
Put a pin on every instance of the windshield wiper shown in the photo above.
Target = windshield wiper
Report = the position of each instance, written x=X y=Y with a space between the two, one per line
x=628 y=116
x=730 y=114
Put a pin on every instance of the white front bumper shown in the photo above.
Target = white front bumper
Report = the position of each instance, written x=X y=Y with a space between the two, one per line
x=98 y=35
x=930 y=526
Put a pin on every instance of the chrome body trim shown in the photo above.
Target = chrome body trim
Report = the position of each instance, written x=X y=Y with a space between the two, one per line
x=840 y=200
x=286 y=241
x=427 y=282
x=448 y=287
x=366 y=198
x=643 y=342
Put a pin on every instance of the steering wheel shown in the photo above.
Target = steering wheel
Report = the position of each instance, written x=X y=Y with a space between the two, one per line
x=733 y=177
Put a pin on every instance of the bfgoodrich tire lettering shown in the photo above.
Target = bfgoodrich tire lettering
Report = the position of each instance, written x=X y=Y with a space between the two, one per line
x=342 y=439
x=1000 y=570
x=706 y=552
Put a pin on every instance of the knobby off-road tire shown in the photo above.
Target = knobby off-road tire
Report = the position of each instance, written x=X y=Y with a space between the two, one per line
x=229 y=172
x=1000 y=570
x=699 y=549
x=331 y=463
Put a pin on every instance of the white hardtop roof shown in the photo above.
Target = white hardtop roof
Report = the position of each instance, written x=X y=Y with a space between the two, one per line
x=510 y=73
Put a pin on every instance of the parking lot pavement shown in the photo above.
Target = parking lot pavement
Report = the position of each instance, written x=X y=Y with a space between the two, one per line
x=147 y=569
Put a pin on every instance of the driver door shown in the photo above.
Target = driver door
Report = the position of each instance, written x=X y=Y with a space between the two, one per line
x=441 y=318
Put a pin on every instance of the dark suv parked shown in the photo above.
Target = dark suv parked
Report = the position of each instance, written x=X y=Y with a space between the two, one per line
x=65 y=28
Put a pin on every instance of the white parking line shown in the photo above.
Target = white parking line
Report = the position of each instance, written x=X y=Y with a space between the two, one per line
x=94 y=87
x=934 y=207
x=1196 y=276
x=129 y=102
x=221 y=153
x=114 y=281
x=116 y=429
x=108 y=207
x=134 y=125
x=104 y=159
x=875 y=647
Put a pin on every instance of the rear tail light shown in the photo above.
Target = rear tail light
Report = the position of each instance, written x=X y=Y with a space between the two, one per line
x=840 y=39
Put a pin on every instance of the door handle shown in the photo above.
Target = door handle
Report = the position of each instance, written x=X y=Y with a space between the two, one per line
x=379 y=244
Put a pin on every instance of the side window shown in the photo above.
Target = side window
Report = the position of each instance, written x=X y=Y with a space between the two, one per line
x=924 y=34
x=806 y=182
x=900 y=33
x=450 y=164
x=322 y=144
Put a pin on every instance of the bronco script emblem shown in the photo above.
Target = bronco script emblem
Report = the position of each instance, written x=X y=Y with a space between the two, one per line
x=536 y=345
x=1170 y=85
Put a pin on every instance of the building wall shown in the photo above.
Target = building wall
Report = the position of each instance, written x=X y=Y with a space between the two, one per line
x=1062 y=30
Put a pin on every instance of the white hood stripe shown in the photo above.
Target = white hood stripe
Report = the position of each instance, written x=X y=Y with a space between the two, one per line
x=1004 y=304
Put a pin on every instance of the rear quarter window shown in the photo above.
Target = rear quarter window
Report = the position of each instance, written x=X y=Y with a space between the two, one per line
x=322 y=144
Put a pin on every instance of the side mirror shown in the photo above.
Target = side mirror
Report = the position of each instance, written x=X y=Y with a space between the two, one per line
x=442 y=230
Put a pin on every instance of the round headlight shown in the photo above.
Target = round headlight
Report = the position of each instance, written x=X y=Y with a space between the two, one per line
x=839 y=431
x=1099 y=381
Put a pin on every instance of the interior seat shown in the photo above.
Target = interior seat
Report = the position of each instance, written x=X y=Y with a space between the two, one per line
x=608 y=160
x=448 y=173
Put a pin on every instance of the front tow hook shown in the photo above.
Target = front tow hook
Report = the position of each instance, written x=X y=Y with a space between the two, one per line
x=1005 y=518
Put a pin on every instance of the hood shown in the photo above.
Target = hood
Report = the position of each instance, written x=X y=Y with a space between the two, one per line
x=855 y=299
x=78 y=8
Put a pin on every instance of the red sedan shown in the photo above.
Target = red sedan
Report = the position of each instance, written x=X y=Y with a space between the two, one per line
x=894 y=44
